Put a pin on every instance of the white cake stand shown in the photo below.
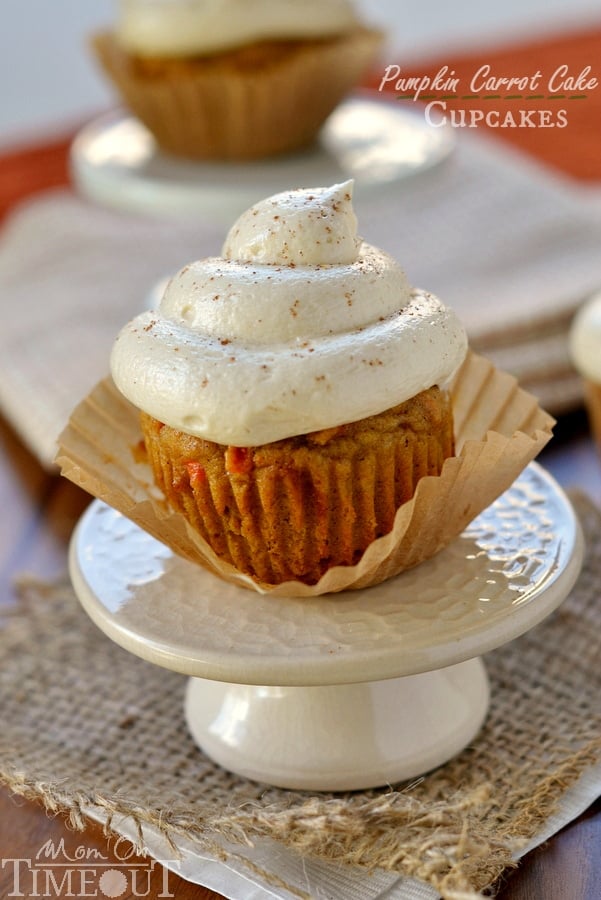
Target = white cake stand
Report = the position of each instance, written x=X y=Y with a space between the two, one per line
x=116 y=162
x=345 y=691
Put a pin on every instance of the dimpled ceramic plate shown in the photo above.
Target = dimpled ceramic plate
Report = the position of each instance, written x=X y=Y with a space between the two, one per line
x=503 y=575
x=340 y=692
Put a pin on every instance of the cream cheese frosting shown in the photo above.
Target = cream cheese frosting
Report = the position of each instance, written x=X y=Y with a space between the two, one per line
x=200 y=27
x=298 y=326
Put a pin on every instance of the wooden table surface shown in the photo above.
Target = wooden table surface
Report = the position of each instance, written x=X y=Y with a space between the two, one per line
x=38 y=514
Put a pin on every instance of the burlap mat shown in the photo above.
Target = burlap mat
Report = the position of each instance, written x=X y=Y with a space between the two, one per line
x=87 y=724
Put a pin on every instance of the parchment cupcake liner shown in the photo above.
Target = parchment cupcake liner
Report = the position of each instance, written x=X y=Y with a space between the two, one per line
x=211 y=111
x=499 y=429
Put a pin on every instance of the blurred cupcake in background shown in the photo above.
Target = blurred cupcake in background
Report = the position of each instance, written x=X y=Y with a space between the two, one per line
x=585 y=353
x=235 y=79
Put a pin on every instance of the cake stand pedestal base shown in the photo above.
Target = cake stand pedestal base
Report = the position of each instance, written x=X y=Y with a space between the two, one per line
x=339 y=692
x=339 y=737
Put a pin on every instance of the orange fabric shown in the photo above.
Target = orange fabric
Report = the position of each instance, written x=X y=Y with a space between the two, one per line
x=25 y=171
x=574 y=149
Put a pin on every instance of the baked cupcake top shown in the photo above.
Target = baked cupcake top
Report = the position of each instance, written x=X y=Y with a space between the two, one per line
x=173 y=28
x=298 y=326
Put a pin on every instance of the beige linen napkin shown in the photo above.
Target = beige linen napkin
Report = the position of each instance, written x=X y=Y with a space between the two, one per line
x=511 y=247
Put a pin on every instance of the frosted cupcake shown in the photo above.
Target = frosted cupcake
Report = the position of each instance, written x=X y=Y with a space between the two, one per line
x=585 y=352
x=233 y=79
x=293 y=391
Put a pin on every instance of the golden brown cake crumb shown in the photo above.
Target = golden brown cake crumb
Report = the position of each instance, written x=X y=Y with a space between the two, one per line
x=291 y=509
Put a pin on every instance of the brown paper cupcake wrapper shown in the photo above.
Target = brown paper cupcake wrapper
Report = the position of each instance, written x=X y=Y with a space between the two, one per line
x=208 y=110
x=499 y=429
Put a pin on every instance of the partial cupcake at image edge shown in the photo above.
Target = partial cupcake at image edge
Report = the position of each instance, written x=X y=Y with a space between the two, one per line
x=232 y=80
x=584 y=345
x=312 y=422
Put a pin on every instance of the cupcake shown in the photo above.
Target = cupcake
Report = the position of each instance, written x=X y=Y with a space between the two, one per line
x=585 y=352
x=294 y=391
x=234 y=80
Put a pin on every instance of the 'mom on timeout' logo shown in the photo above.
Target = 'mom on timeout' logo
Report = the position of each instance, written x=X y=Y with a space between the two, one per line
x=85 y=872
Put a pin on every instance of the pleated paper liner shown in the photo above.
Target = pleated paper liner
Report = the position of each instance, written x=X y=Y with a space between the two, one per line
x=208 y=109
x=499 y=429
x=288 y=511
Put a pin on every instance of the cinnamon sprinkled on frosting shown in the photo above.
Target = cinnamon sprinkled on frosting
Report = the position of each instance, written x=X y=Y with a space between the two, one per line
x=324 y=329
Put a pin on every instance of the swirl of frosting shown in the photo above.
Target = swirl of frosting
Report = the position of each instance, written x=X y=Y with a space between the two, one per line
x=175 y=28
x=298 y=326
